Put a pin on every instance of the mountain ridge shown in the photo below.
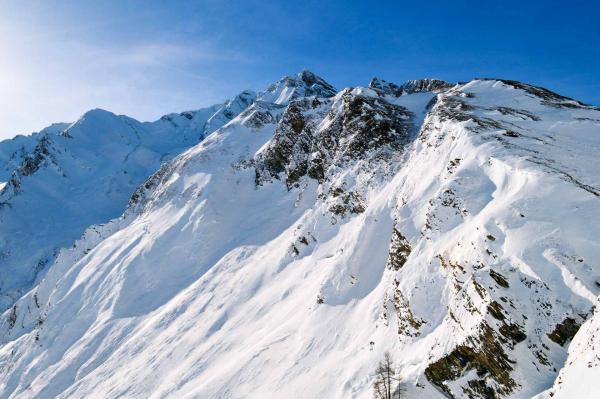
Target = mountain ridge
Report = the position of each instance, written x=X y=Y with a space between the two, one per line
x=292 y=247
x=130 y=150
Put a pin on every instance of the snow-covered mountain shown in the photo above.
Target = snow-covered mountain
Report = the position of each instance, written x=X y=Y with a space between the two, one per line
x=451 y=225
x=58 y=182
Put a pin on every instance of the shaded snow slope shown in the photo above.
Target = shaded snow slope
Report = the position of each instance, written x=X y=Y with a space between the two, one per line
x=56 y=183
x=579 y=377
x=12 y=151
x=286 y=252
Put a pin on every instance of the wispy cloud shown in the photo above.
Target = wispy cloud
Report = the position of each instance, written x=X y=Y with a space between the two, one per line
x=61 y=71
x=161 y=54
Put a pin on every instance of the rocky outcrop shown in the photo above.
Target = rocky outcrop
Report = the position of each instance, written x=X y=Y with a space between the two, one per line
x=39 y=157
x=409 y=87
x=315 y=134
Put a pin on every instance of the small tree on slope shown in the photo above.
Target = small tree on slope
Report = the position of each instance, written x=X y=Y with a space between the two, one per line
x=386 y=383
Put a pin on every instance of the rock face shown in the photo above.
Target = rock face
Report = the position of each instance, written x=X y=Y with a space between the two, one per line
x=315 y=137
x=410 y=87
x=13 y=151
x=447 y=224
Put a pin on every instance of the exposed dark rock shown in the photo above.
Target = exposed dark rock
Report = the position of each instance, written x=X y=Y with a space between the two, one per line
x=295 y=250
x=346 y=202
x=187 y=115
x=408 y=324
x=39 y=157
x=12 y=316
x=409 y=87
x=424 y=85
x=367 y=123
x=33 y=161
x=495 y=310
x=453 y=108
x=399 y=250
x=499 y=279
x=484 y=354
x=514 y=332
x=480 y=388
x=564 y=331
x=385 y=87
x=141 y=195
x=320 y=299
x=289 y=146
x=363 y=125
x=453 y=164
x=316 y=86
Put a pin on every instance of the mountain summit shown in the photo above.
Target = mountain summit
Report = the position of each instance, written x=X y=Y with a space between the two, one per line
x=314 y=235
x=305 y=84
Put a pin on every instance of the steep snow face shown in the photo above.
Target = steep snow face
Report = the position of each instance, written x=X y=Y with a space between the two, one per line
x=285 y=253
x=579 y=377
x=68 y=177
x=13 y=151
x=229 y=110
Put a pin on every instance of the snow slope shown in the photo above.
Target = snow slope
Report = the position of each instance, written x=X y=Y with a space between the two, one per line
x=287 y=251
x=579 y=377
x=56 y=183
x=13 y=151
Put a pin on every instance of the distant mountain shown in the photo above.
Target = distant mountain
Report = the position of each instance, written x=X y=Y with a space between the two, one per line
x=280 y=244
x=67 y=177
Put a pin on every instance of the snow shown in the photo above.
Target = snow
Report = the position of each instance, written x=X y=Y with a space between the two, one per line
x=196 y=290
x=85 y=174
x=579 y=378
x=290 y=87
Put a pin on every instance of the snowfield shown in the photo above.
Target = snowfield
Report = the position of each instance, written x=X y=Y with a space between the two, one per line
x=451 y=225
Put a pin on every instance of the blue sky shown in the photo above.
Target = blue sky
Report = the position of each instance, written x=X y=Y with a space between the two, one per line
x=142 y=58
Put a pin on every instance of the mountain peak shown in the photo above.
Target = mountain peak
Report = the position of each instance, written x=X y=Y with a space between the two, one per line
x=308 y=239
x=96 y=121
x=316 y=84
x=379 y=84
x=97 y=113
x=310 y=78
x=304 y=84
